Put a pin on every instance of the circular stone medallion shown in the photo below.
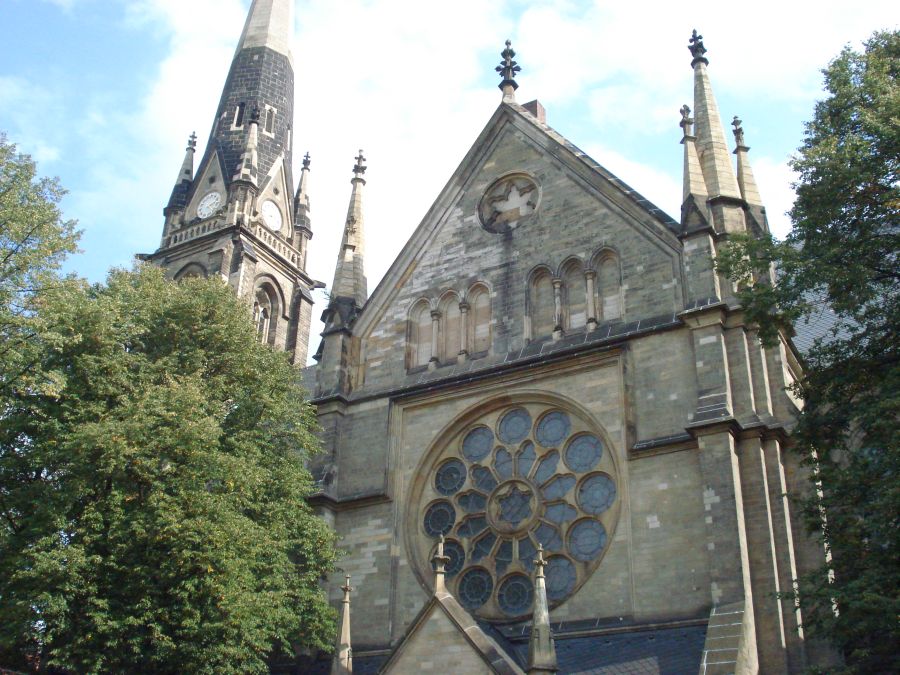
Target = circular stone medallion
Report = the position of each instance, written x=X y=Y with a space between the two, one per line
x=507 y=202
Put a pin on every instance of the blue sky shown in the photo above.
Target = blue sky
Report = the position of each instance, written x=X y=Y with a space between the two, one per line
x=104 y=93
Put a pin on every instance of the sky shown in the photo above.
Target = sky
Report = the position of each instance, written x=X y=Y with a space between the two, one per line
x=104 y=94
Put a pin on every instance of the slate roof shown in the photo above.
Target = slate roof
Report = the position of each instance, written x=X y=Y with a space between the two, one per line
x=663 y=651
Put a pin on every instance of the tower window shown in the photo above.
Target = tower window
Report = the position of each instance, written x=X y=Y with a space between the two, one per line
x=238 y=116
x=269 y=122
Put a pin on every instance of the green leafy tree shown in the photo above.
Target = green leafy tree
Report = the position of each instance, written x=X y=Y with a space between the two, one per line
x=839 y=268
x=153 y=499
x=34 y=241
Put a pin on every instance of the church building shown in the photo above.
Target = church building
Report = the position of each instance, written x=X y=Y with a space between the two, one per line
x=551 y=441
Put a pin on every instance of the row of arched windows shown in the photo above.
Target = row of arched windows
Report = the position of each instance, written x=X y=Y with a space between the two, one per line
x=453 y=326
x=576 y=296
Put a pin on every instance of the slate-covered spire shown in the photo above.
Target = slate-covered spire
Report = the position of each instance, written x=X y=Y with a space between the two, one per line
x=349 y=276
x=178 y=199
x=342 y=662
x=541 y=650
x=712 y=147
x=261 y=78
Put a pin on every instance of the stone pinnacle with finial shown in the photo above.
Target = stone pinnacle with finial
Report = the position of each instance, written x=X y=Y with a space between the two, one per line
x=697 y=49
x=508 y=67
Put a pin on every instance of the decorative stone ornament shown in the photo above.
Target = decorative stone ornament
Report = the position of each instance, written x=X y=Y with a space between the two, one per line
x=504 y=481
x=508 y=202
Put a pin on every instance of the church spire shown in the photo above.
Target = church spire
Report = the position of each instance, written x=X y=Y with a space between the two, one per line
x=541 y=650
x=349 y=276
x=712 y=147
x=342 y=663
x=302 y=220
x=693 y=175
x=746 y=180
x=178 y=199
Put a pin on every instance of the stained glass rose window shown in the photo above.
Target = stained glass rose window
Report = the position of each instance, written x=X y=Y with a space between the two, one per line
x=500 y=484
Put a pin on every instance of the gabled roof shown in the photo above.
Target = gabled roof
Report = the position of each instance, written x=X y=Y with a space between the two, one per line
x=493 y=655
x=592 y=173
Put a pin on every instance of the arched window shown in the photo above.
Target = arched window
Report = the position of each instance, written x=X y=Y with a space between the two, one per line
x=265 y=313
x=609 y=287
x=479 y=339
x=542 y=305
x=451 y=327
x=419 y=348
x=191 y=271
x=575 y=288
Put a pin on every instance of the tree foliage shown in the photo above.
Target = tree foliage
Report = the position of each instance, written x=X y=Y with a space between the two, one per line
x=34 y=240
x=838 y=268
x=152 y=490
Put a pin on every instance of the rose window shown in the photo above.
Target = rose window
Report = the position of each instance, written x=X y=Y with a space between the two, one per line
x=500 y=485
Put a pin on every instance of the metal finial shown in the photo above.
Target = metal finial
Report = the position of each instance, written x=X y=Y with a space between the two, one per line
x=738 y=131
x=508 y=67
x=192 y=141
x=360 y=167
x=306 y=161
x=687 y=122
x=697 y=48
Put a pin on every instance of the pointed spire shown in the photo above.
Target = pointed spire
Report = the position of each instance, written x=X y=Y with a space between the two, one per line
x=508 y=69
x=693 y=175
x=541 y=650
x=248 y=170
x=178 y=199
x=301 y=200
x=270 y=23
x=712 y=147
x=342 y=663
x=745 y=177
x=440 y=561
x=349 y=275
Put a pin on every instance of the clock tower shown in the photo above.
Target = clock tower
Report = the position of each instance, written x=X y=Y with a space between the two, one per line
x=237 y=216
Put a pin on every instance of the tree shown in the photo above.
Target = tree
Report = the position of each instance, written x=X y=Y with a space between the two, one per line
x=153 y=498
x=839 y=267
x=34 y=240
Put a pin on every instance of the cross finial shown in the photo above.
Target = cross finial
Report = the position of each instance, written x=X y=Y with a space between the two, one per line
x=306 y=161
x=540 y=563
x=686 y=120
x=347 y=588
x=192 y=141
x=738 y=131
x=440 y=560
x=697 y=48
x=360 y=168
x=508 y=67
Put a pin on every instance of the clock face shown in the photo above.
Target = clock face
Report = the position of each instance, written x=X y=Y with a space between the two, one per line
x=507 y=202
x=271 y=215
x=209 y=204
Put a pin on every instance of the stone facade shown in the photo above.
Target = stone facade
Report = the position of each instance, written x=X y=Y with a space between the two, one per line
x=690 y=407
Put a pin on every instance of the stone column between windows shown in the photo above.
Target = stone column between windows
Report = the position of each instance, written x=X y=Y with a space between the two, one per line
x=590 y=302
x=435 y=326
x=463 y=329
x=557 y=302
